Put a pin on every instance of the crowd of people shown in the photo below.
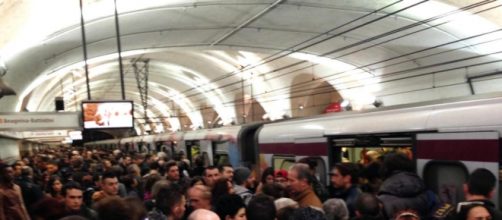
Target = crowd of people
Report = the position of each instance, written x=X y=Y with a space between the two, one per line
x=67 y=184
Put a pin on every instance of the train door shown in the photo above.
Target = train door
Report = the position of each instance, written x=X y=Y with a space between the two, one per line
x=199 y=148
x=367 y=150
x=221 y=152
x=444 y=160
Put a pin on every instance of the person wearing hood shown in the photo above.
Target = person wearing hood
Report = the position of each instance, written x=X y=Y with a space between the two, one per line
x=243 y=179
x=402 y=189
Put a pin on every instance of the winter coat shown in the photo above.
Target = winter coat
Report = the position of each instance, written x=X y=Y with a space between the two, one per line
x=308 y=198
x=404 y=190
x=244 y=193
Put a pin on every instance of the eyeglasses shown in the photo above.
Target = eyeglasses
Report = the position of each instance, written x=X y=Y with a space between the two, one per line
x=462 y=205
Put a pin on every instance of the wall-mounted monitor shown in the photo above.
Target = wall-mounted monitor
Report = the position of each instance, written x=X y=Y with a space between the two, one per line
x=107 y=114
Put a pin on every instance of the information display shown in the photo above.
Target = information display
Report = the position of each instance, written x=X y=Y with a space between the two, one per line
x=107 y=114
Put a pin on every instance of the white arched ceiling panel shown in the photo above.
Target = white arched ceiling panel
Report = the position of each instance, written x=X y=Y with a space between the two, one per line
x=204 y=51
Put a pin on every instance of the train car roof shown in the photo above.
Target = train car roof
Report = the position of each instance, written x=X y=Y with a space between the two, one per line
x=215 y=134
x=473 y=114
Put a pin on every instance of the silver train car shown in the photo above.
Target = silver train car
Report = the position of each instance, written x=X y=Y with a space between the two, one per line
x=447 y=140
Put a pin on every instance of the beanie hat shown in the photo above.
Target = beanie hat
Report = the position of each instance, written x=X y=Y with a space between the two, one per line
x=241 y=174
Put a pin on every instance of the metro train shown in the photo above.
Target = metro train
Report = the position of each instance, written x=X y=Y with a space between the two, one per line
x=446 y=139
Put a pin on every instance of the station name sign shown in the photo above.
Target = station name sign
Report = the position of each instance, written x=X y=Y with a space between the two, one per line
x=38 y=120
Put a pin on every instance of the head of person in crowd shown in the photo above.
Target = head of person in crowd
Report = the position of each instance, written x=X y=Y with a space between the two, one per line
x=396 y=162
x=134 y=170
x=308 y=213
x=227 y=171
x=131 y=184
x=172 y=171
x=112 y=208
x=480 y=185
x=171 y=201
x=55 y=186
x=344 y=175
x=107 y=164
x=203 y=214
x=368 y=205
x=159 y=185
x=126 y=161
x=231 y=207
x=473 y=211
x=267 y=176
x=335 y=209
x=311 y=163
x=199 y=197
x=281 y=177
x=211 y=174
x=18 y=167
x=408 y=215
x=27 y=171
x=199 y=161
x=274 y=190
x=88 y=155
x=282 y=203
x=136 y=207
x=48 y=208
x=244 y=177
x=299 y=178
x=261 y=207
x=138 y=159
x=197 y=180
x=73 y=196
x=110 y=184
x=149 y=182
x=52 y=167
x=220 y=188
x=285 y=213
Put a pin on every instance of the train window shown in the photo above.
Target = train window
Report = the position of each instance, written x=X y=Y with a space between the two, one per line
x=283 y=162
x=319 y=166
x=220 y=159
x=446 y=178
x=365 y=149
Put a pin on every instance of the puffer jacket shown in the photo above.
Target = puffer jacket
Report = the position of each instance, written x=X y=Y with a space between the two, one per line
x=404 y=191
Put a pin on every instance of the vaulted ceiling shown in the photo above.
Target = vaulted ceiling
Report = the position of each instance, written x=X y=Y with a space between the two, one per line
x=235 y=61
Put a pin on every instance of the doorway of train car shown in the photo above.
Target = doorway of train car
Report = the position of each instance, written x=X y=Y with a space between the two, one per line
x=199 y=149
x=221 y=152
x=445 y=160
x=367 y=151
x=168 y=147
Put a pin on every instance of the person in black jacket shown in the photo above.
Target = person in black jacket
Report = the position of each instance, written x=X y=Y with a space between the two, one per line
x=478 y=191
x=402 y=189
x=74 y=203
x=32 y=193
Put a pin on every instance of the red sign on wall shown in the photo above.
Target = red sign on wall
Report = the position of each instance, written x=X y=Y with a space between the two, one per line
x=333 y=107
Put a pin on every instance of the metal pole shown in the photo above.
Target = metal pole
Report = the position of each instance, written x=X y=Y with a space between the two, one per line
x=84 y=46
x=117 y=29
x=243 y=102
x=252 y=108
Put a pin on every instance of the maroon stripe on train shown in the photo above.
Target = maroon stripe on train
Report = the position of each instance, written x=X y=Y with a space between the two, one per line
x=468 y=150
x=310 y=149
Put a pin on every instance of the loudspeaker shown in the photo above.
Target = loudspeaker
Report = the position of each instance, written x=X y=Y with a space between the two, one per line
x=59 y=102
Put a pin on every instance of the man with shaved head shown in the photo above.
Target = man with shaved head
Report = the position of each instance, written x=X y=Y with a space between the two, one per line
x=203 y=214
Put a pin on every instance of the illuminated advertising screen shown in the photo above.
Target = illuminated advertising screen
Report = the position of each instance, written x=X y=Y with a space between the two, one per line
x=107 y=114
